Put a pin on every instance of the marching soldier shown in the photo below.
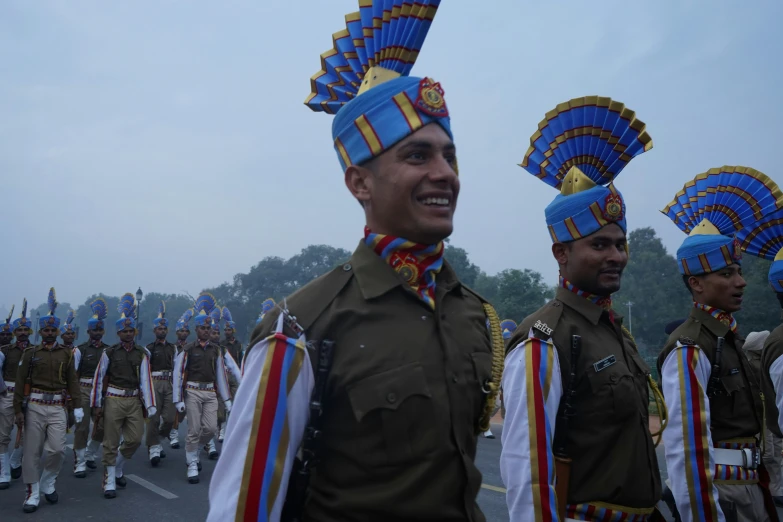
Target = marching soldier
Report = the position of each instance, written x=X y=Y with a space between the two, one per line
x=162 y=354
x=409 y=385
x=234 y=349
x=765 y=239
x=86 y=358
x=46 y=374
x=10 y=355
x=183 y=331
x=234 y=374
x=575 y=387
x=68 y=336
x=198 y=372
x=6 y=331
x=714 y=402
x=122 y=391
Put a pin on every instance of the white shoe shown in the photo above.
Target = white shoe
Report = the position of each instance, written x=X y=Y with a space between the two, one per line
x=191 y=457
x=174 y=439
x=5 y=471
x=46 y=484
x=80 y=463
x=155 y=454
x=489 y=435
x=109 y=483
x=16 y=457
x=222 y=433
x=32 y=497
x=118 y=473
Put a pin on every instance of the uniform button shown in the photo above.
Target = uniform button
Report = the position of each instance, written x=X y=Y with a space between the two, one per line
x=392 y=398
x=454 y=378
x=613 y=379
x=347 y=267
x=556 y=304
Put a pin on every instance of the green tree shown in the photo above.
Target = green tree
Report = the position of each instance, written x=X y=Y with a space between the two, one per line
x=760 y=308
x=519 y=293
x=458 y=259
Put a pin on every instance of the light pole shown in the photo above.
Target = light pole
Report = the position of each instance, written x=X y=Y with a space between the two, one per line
x=630 y=317
x=37 y=317
x=139 y=296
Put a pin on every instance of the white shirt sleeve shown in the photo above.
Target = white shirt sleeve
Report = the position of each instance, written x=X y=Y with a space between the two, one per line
x=532 y=389
x=776 y=375
x=96 y=395
x=77 y=358
x=232 y=367
x=267 y=367
x=145 y=384
x=176 y=379
x=221 y=379
x=689 y=456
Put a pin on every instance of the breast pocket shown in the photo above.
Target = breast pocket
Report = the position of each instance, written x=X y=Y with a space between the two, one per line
x=614 y=386
x=395 y=406
x=730 y=402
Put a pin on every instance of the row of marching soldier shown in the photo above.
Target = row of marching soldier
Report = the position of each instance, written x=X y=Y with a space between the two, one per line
x=109 y=393
x=385 y=370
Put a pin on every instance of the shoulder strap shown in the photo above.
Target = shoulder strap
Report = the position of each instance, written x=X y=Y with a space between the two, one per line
x=492 y=387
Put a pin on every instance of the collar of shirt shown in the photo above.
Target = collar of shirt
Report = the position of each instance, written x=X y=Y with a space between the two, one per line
x=718 y=321
x=231 y=340
x=375 y=277
x=22 y=345
x=591 y=311
x=128 y=346
x=50 y=347
x=96 y=344
x=203 y=344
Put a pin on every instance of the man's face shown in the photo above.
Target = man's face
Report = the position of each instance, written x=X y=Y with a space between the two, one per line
x=68 y=337
x=229 y=332
x=6 y=338
x=161 y=332
x=722 y=289
x=126 y=335
x=22 y=334
x=202 y=332
x=594 y=263
x=96 y=334
x=182 y=335
x=410 y=190
x=49 y=334
x=214 y=335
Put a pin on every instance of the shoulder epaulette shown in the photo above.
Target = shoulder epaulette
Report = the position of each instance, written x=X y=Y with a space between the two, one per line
x=545 y=320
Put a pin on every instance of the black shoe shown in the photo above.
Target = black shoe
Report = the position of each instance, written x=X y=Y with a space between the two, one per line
x=155 y=461
x=193 y=480
x=214 y=455
x=778 y=501
x=162 y=454
x=120 y=481
x=80 y=474
x=5 y=485
x=109 y=494
x=91 y=464
x=16 y=473
x=29 y=508
x=52 y=498
x=174 y=445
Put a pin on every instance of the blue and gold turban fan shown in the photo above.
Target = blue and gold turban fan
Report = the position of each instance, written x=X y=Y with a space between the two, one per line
x=6 y=327
x=182 y=324
x=22 y=321
x=216 y=314
x=68 y=325
x=50 y=319
x=764 y=239
x=127 y=310
x=266 y=306
x=161 y=320
x=364 y=79
x=580 y=147
x=228 y=319
x=712 y=208
x=507 y=327
x=205 y=303
x=99 y=313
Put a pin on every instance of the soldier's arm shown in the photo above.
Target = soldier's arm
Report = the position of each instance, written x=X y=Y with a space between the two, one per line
x=221 y=378
x=269 y=365
x=145 y=384
x=101 y=372
x=21 y=376
x=73 y=383
x=232 y=367
x=77 y=358
x=689 y=457
x=532 y=389
x=177 y=381
x=773 y=365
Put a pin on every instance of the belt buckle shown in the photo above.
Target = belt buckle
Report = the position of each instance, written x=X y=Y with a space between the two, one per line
x=48 y=397
x=203 y=386
x=128 y=393
x=754 y=458
x=166 y=374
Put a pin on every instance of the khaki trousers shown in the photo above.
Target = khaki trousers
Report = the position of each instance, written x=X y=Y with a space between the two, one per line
x=82 y=432
x=44 y=432
x=201 y=407
x=742 y=502
x=165 y=409
x=6 y=421
x=122 y=416
x=773 y=460
x=232 y=386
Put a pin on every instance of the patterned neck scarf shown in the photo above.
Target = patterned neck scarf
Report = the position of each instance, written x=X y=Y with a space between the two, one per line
x=22 y=345
x=97 y=344
x=128 y=346
x=604 y=302
x=418 y=264
x=724 y=317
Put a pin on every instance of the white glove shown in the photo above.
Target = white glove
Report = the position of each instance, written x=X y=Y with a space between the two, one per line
x=227 y=404
x=180 y=406
x=78 y=414
x=152 y=410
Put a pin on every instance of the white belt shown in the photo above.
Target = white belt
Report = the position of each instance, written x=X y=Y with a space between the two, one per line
x=47 y=398
x=165 y=374
x=207 y=386
x=10 y=385
x=85 y=381
x=111 y=391
x=746 y=458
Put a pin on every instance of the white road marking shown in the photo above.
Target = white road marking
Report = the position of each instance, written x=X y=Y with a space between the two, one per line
x=152 y=487
x=493 y=488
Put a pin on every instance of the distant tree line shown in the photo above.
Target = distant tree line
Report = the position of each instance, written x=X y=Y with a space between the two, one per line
x=651 y=282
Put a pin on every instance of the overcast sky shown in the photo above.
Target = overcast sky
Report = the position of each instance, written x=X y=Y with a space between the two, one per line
x=166 y=144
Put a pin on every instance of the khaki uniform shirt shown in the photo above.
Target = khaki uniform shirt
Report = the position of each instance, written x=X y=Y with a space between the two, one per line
x=52 y=371
x=125 y=366
x=773 y=348
x=162 y=356
x=90 y=356
x=13 y=354
x=202 y=361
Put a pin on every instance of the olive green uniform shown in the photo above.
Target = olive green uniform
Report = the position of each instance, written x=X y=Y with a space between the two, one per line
x=12 y=355
x=162 y=365
x=89 y=356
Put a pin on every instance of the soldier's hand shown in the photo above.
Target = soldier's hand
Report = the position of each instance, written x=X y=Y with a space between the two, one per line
x=180 y=406
x=78 y=415
x=152 y=410
x=20 y=420
x=97 y=411
x=227 y=405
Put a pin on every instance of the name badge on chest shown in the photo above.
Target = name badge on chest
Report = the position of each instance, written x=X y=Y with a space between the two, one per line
x=604 y=363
